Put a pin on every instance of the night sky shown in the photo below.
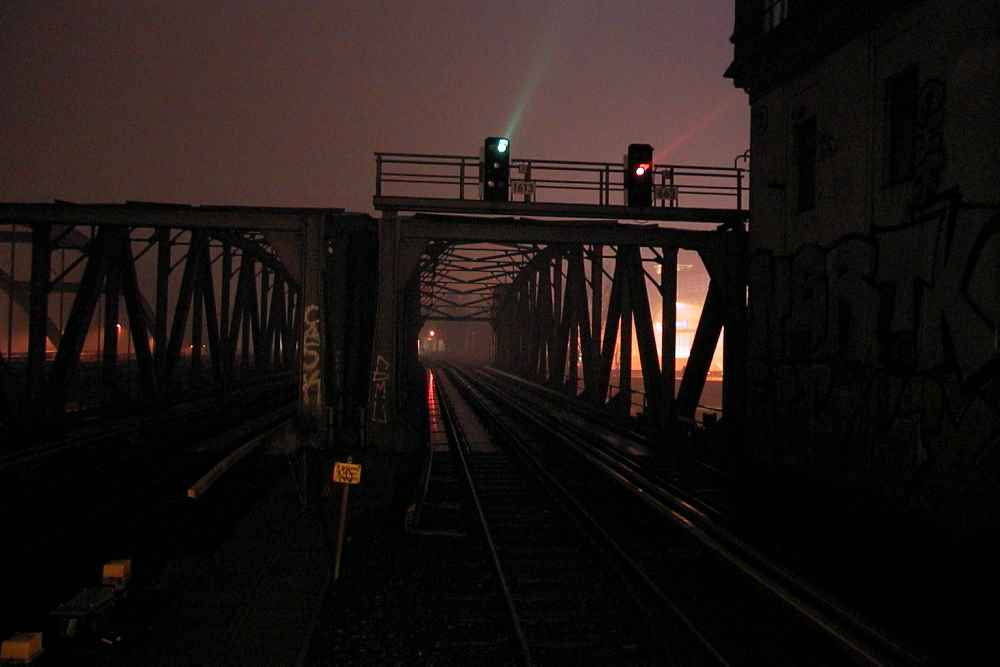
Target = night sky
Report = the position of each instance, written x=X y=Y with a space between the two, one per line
x=267 y=103
x=275 y=103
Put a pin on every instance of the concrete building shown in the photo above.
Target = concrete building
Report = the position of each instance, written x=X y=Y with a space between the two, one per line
x=874 y=350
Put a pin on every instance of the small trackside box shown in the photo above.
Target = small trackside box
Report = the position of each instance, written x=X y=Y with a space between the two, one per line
x=21 y=648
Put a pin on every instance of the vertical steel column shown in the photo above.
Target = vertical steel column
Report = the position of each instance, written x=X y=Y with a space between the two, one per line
x=545 y=321
x=197 y=325
x=533 y=330
x=573 y=381
x=397 y=263
x=611 y=325
x=77 y=325
x=597 y=291
x=652 y=378
x=183 y=306
x=734 y=347
x=587 y=344
x=137 y=321
x=705 y=339
x=557 y=284
x=253 y=309
x=668 y=326
x=338 y=298
x=10 y=289
x=112 y=299
x=265 y=294
x=162 y=290
x=245 y=335
x=625 y=336
x=226 y=287
x=38 y=307
x=523 y=323
x=312 y=332
x=225 y=333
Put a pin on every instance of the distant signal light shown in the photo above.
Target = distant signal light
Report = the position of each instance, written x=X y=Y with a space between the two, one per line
x=638 y=176
x=495 y=169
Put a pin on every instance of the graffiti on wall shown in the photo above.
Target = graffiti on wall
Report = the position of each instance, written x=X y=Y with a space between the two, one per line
x=311 y=341
x=377 y=404
x=879 y=353
x=876 y=359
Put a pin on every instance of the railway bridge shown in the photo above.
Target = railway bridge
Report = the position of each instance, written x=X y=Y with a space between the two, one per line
x=124 y=308
x=149 y=348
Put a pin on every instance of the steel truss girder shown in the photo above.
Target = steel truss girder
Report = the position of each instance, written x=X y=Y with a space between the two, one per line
x=109 y=272
x=541 y=326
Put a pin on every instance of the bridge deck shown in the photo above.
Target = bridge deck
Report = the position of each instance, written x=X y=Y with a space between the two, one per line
x=723 y=216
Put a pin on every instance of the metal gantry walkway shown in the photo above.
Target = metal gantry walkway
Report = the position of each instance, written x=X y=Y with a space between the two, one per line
x=563 y=271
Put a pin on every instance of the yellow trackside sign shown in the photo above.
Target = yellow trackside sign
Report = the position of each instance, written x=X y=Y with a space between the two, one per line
x=347 y=473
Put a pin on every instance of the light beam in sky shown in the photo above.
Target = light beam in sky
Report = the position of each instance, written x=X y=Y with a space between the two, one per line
x=696 y=127
x=549 y=41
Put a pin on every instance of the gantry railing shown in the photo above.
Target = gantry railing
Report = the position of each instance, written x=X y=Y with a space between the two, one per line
x=558 y=181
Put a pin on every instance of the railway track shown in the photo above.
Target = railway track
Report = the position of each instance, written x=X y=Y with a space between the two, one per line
x=741 y=606
x=123 y=496
x=544 y=585
x=95 y=427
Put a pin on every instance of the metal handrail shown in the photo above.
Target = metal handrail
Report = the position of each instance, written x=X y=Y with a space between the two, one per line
x=685 y=180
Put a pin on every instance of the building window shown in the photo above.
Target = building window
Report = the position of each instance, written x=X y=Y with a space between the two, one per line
x=774 y=14
x=901 y=122
x=805 y=148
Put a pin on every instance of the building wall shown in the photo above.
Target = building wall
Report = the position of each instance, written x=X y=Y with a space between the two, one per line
x=874 y=344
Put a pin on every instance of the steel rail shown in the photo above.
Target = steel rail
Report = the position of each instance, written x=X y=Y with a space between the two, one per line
x=456 y=437
x=587 y=522
x=844 y=626
x=33 y=454
x=284 y=416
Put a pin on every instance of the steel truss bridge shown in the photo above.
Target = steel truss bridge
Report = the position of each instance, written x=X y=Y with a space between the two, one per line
x=128 y=307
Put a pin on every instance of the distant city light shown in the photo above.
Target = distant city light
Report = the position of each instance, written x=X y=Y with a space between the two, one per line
x=432 y=333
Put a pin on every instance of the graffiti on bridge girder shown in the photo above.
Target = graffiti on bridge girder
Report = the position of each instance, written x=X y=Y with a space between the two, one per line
x=380 y=382
x=311 y=341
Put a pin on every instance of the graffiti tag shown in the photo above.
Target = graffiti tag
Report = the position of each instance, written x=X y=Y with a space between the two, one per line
x=380 y=380
x=311 y=382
